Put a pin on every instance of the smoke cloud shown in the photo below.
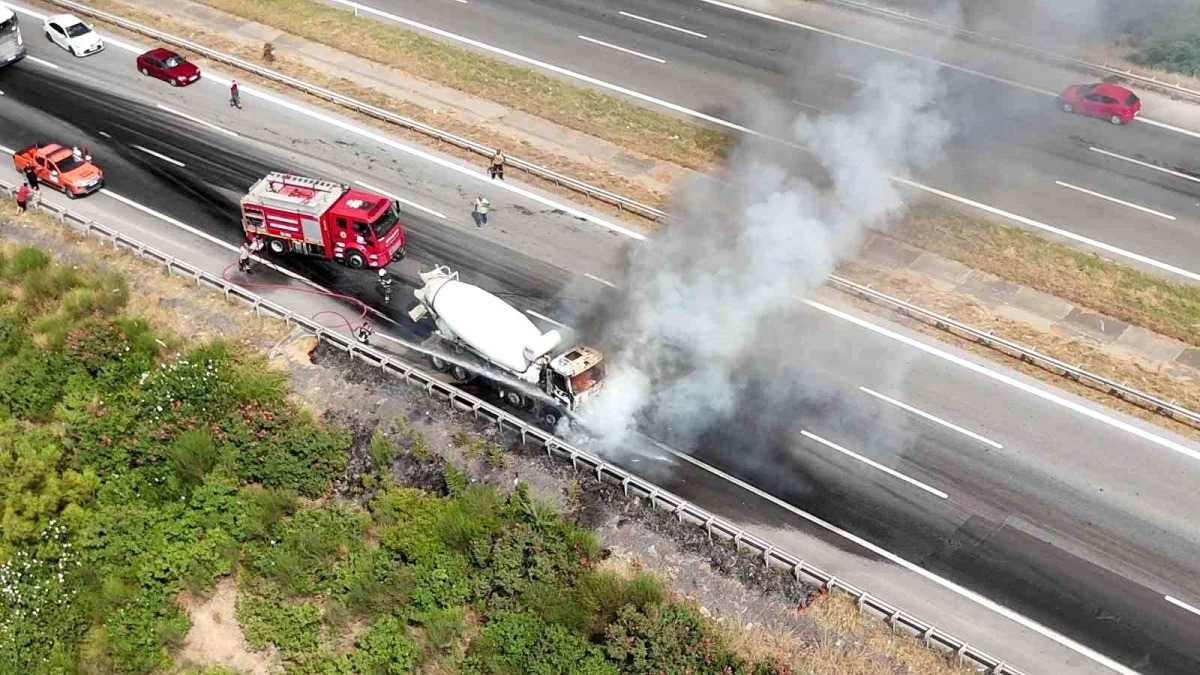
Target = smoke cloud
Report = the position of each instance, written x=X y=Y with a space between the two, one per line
x=709 y=308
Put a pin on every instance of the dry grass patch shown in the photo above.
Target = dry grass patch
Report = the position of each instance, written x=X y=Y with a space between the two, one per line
x=1171 y=309
x=1091 y=357
x=171 y=305
x=846 y=643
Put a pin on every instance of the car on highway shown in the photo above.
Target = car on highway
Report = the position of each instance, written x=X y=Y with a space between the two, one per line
x=1103 y=99
x=61 y=167
x=163 y=64
x=72 y=34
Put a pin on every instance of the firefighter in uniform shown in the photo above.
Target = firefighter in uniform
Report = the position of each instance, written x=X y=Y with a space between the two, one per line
x=385 y=286
x=363 y=333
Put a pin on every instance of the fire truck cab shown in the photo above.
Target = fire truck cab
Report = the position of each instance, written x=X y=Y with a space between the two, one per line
x=309 y=216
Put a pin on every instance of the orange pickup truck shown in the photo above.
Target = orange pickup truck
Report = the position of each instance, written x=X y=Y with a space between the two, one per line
x=59 y=167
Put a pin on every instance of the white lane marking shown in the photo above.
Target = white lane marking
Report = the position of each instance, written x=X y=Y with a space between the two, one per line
x=161 y=156
x=702 y=36
x=848 y=77
x=1 y=93
x=1148 y=165
x=890 y=50
x=620 y=49
x=1169 y=127
x=547 y=319
x=105 y=134
x=978 y=599
x=41 y=62
x=1044 y=394
x=872 y=463
x=1180 y=603
x=1114 y=200
x=197 y=120
x=931 y=418
x=399 y=199
x=1055 y=230
x=599 y=280
x=9 y=151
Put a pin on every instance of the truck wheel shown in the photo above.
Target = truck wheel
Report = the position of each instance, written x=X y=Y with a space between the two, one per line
x=276 y=246
x=355 y=260
x=70 y=193
x=512 y=398
x=461 y=375
x=550 y=417
x=439 y=364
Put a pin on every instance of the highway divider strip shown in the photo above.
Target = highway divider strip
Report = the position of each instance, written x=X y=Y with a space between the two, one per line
x=717 y=528
x=1018 y=48
x=1146 y=401
x=561 y=180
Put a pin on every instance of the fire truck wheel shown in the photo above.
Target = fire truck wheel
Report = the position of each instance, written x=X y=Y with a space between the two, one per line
x=550 y=416
x=276 y=246
x=461 y=375
x=439 y=364
x=355 y=260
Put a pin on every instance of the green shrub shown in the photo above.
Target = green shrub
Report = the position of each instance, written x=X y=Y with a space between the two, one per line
x=309 y=548
x=523 y=643
x=372 y=583
x=442 y=581
x=36 y=487
x=12 y=334
x=192 y=456
x=1174 y=45
x=408 y=521
x=32 y=382
x=666 y=638
x=294 y=628
x=27 y=259
x=383 y=452
x=264 y=510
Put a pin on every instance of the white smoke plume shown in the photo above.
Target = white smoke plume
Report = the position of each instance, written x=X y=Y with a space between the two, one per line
x=702 y=299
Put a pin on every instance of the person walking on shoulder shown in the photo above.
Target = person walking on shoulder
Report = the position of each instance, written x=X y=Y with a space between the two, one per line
x=235 y=98
x=22 y=199
x=31 y=178
x=480 y=211
x=497 y=168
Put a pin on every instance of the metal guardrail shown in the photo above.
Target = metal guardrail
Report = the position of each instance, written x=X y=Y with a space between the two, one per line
x=1176 y=89
x=609 y=197
x=684 y=511
x=1032 y=356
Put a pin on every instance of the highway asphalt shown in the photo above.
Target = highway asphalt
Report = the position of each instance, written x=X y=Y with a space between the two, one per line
x=1012 y=147
x=1078 y=519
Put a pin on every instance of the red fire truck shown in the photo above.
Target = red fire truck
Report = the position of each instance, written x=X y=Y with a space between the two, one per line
x=293 y=214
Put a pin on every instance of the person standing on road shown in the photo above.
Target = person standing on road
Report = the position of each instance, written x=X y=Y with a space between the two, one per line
x=497 y=168
x=244 y=263
x=31 y=178
x=235 y=98
x=480 y=212
x=22 y=199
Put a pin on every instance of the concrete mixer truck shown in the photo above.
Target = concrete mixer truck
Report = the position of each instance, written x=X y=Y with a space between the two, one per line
x=483 y=336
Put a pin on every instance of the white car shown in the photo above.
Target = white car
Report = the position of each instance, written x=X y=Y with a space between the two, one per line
x=73 y=35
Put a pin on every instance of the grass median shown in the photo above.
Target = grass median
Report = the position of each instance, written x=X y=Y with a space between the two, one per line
x=1008 y=252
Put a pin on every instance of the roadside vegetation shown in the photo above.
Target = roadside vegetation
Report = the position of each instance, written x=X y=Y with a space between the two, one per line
x=135 y=474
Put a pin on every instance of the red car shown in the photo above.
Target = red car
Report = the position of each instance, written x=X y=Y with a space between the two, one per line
x=1114 y=103
x=166 y=65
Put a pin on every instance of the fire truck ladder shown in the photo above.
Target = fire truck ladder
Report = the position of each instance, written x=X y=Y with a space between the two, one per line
x=277 y=181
